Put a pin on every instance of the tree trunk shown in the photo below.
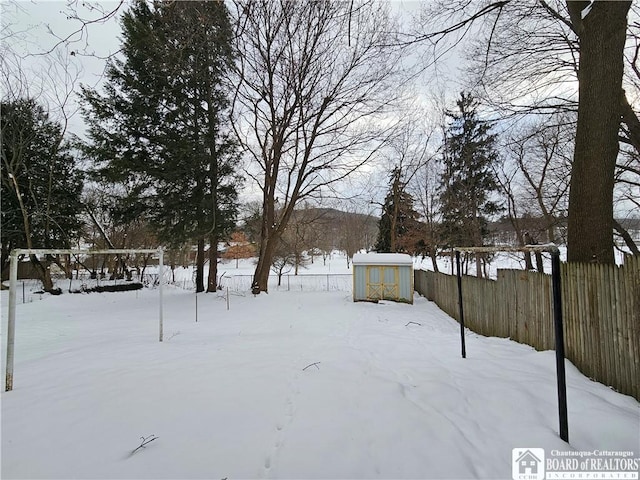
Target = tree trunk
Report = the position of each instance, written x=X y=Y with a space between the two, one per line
x=261 y=275
x=479 y=265
x=602 y=37
x=269 y=237
x=434 y=260
x=628 y=240
x=200 y=266
x=527 y=240
x=528 y=264
x=539 y=262
x=44 y=272
x=212 y=283
x=632 y=122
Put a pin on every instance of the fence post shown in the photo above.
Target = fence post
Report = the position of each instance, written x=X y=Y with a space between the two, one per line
x=559 y=334
x=459 y=274
x=160 y=288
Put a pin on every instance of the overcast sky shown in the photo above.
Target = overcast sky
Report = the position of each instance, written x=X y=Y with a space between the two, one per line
x=40 y=26
x=37 y=27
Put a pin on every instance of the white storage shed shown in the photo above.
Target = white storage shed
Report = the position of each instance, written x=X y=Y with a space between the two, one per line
x=382 y=276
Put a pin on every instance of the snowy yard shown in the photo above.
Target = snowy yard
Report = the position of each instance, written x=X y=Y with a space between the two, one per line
x=235 y=395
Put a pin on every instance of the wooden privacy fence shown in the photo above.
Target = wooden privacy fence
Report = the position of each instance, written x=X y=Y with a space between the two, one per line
x=600 y=307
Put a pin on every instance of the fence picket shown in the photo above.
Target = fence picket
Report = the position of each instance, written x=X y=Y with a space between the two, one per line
x=601 y=311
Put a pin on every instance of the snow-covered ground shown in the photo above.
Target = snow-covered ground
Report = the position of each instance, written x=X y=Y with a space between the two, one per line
x=293 y=384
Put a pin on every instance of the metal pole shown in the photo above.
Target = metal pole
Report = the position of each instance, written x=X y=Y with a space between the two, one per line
x=459 y=275
x=196 y=307
x=11 y=325
x=559 y=334
x=161 y=273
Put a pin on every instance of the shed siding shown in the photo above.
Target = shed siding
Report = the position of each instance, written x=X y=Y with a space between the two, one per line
x=360 y=283
x=383 y=281
x=406 y=283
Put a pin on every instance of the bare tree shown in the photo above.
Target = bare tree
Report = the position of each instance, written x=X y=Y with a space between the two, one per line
x=313 y=80
x=542 y=154
x=296 y=238
x=424 y=189
x=534 y=179
x=356 y=231
x=531 y=53
x=82 y=16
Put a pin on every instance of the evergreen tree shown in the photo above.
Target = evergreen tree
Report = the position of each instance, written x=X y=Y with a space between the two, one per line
x=399 y=229
x=161 y=128
x=41 y=184
x=468 y=182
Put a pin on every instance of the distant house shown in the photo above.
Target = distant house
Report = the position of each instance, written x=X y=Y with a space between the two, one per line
x=528 y=463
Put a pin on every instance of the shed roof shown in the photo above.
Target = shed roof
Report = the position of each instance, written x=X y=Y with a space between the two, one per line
x=382 y=259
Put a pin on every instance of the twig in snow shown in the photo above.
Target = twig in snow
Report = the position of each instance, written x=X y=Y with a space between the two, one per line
x=415 y=323
x=145 y=441
x=173 y=335
x=311 y=365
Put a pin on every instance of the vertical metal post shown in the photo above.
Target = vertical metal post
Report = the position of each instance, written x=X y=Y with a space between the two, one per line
x=196 y=307
x=161 y=279
x=11 y=325
x=459 y=275
x=559 y=334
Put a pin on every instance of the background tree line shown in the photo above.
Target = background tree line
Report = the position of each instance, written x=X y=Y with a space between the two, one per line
x=296 y=97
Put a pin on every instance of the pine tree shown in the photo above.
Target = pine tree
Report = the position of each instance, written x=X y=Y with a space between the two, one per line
x=41 y=184
x=161 y=128
x=399 y=229
x=468 y=181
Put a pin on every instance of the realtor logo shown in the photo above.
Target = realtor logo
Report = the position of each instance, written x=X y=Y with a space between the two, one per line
x=527 y=463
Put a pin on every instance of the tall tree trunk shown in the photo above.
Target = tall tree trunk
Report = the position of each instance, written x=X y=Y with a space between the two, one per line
x=261 y=274
x=479 y=265
x=434 y=259
x=200 y=266
x=268 y=238
x=45 y=273
x=602 y=37
x=528 y=240
x=212 y=283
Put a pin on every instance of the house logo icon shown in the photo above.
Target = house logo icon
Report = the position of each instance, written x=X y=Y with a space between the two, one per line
x=527 y=463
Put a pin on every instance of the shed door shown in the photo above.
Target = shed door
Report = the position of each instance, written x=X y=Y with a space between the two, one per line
x=383 y=282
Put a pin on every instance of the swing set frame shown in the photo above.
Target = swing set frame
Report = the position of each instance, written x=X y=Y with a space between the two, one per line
x=13 y=282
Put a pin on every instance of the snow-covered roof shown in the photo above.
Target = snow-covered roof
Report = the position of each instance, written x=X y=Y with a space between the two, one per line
x=382 y=259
